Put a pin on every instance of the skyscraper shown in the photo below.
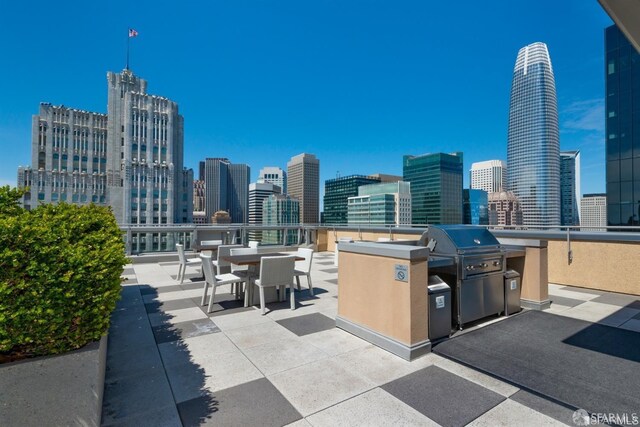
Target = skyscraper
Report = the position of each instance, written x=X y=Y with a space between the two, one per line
x=336 y=196
x=436 y=187
x=570 y=187
x=274 y=175
x=490 y=176
x=303 y=183
x=533 y=149
x=258 y=191
x=130 y=159
x=622 y=101
x=227 y=189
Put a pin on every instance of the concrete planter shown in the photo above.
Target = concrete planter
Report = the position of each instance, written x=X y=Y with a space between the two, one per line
x=65 y=389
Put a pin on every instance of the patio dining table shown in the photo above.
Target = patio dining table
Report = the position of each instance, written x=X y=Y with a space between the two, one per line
x=253 y=261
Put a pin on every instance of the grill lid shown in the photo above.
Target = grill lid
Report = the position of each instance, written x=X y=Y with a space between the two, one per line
x=460 y=238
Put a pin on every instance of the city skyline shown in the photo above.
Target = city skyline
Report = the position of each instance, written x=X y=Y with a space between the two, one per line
x=354 y=90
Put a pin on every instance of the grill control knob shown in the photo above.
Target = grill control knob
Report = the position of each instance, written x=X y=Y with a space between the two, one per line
x=470 y=267
x=484 y=265
x=496 y=263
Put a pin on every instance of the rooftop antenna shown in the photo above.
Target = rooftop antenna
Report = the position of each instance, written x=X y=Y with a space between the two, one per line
x=337 y=174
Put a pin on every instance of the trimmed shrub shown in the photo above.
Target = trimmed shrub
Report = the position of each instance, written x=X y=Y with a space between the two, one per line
x=60 y=268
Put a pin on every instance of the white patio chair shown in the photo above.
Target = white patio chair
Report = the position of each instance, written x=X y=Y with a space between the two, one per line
x=215 y=280
x=220 y=264
x=303 y=268
x=184 y=261
x=242 y=269
x=276 y=271
x=209 y=242
x=253 y=243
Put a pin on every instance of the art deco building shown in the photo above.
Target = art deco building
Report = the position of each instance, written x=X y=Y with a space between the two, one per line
x=303 y=183
x=533 y=149
x=130 y=159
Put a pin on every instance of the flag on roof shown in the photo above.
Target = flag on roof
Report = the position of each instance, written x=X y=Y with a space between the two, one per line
x=133 y=33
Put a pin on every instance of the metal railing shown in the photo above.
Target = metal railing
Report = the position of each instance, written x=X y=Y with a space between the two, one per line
x=163 y=237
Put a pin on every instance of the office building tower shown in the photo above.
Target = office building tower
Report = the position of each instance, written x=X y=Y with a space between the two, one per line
x=336 y=194
x=593 y=208
x=130 y=159
x=386 y=178
x=570 y=192
x=622 y=101
x=533 y=148
x=475 y=207
x=490 y=176
x=303 y=183
x=227 y=188
x=258 y=191
x=274 y=175
x=436 y=187
x=504 y=209
x=239 y=178
x=381 y=204
x=280 y=209
x=201 y=170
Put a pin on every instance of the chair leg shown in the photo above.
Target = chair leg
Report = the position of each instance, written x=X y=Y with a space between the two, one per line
x=310 y=284
x=213 y=295
x=179 y=273
x=262 y=300
x=293 y=297
x=298 y=282
x=204 y=293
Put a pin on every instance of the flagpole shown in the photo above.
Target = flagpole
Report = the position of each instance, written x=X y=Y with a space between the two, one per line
x=128 y=37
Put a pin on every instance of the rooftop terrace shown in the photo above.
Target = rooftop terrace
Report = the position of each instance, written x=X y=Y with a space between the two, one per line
x=171 y=363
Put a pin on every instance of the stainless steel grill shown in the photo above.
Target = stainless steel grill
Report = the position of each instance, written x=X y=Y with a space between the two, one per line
x=476 y=276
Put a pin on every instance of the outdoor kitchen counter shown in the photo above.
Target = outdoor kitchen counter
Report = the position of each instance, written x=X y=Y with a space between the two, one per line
x=383 y=297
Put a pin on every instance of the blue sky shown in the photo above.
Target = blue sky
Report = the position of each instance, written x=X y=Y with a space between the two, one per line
x=359 y=83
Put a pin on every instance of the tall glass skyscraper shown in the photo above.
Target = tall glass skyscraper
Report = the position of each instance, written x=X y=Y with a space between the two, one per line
x=622 y=85
x=533 y=148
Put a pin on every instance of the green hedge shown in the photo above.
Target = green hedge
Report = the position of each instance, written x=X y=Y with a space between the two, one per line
x=60 y=268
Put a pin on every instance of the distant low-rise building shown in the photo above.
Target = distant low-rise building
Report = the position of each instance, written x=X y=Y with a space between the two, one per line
x=475 y=207
x=221 y=217
x=381 y=204
x=594 y=212
x=279 y=209
x=504 y=209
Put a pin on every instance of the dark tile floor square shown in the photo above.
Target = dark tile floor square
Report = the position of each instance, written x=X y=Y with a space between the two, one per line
x=325 y=262
x=308 y=324
x=128 y=272
x=254 y=403
x=444 y=397
x=186 y=286
x=545 y=406
x=329 y=270
x=177 y=304
x=567 y=302
x=183 y=330
x=230 y=305
x=621 y=300
x=334 y=281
